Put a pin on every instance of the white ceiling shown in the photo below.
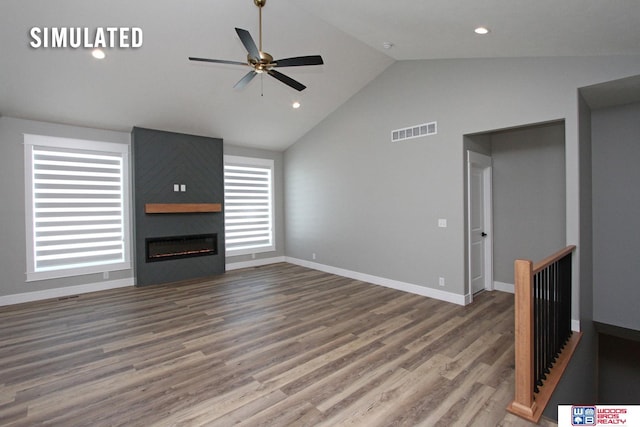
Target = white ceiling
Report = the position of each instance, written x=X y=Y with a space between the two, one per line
x=424 y=29
x=155 y=86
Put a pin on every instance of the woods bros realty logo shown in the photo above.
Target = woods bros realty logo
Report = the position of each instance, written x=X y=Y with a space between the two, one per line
x=83 y=37
x=598 y=415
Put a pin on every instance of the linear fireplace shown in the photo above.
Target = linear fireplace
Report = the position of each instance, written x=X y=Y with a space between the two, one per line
x=175 y=247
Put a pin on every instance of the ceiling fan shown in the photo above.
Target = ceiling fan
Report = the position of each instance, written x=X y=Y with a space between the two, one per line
x=261 y=62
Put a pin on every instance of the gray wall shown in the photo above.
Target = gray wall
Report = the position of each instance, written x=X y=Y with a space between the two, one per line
x=528 y=195
x=12 y=208
x=616 y=215
x=578 y=384
x=278 y=203
x=364 y=204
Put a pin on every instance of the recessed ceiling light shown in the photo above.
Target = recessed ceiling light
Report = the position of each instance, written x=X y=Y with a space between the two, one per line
x=481 y=30
x=296 y=105
x=98 y=54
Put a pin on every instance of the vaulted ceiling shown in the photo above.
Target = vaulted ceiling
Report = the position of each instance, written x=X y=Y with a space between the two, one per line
x=156 y=86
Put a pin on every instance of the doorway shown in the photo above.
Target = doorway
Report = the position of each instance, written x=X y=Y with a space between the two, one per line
x=527 y=201
x=479 y=216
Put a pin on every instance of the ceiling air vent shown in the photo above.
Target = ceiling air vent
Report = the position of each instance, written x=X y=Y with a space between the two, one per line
x=417 y=131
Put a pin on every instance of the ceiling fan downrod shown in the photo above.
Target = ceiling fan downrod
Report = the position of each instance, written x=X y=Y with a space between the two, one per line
x=260 y=4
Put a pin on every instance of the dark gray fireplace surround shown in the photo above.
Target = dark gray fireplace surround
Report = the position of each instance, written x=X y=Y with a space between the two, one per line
x=160 y=161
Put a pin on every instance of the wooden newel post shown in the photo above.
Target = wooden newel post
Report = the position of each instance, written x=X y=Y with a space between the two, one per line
x=524 y=404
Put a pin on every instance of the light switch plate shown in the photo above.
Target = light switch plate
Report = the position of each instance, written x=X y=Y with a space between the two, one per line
x=442 y=222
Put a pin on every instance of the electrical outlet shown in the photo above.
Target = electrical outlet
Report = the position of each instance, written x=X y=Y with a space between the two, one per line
x=313 y=255
x=441 y=281
x=105 y=275
x=442 y=222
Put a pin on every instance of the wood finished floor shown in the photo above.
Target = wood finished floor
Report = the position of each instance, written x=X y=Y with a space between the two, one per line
x=279 y=345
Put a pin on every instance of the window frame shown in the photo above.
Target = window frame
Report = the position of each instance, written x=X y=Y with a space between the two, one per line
x=259 y=163
x=80 y=146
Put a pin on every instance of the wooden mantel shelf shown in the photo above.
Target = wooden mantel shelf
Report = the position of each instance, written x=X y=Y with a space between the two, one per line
x=164 y=208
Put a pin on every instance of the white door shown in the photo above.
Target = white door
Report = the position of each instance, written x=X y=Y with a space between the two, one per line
x=479 y=222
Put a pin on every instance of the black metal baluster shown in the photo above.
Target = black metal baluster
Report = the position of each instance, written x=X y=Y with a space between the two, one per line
x=546 y=321
x=543 y=326
x=545 y=368
x=550 y=311
x=536 y=330
x=553 y=299
x=558 y=311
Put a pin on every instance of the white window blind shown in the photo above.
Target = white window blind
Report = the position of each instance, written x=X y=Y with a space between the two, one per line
x=248 y=205
x=78 y=207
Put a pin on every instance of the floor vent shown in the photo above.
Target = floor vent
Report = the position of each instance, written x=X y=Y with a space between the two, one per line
x=417 y=131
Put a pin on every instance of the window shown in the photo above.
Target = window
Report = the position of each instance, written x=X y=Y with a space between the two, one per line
x=248 y=205
x=77 y=207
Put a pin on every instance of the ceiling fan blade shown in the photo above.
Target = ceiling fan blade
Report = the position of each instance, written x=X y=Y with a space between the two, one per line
x=217 y=61
x=287 y=80
x=248 y=43
x=245 y=80
x=299 y=60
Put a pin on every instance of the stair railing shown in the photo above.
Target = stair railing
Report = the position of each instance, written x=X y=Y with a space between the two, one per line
x=544 y=339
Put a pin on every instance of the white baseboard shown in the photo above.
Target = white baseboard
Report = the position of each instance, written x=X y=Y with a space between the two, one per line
x=389 y=283
x=63 y=292
x=254 y=263
x=504 y=287
x=468 y=299
x=575 y=325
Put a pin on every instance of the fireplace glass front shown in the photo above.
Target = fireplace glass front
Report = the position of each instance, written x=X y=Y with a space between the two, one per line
x=173 y=247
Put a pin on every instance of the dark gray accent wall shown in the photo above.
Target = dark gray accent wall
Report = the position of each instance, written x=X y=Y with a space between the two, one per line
x=616 y=215
x=160 y=160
